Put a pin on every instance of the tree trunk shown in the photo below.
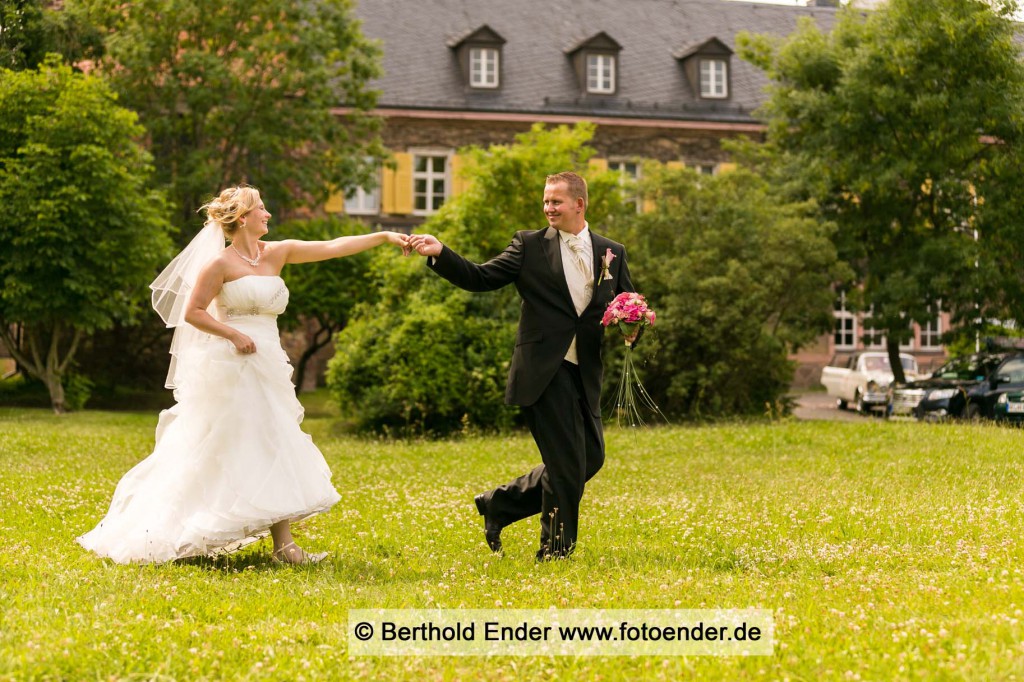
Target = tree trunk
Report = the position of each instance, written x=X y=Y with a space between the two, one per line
x=53 y=373
x=321 y=338
x=56 y=389
x=893 y=346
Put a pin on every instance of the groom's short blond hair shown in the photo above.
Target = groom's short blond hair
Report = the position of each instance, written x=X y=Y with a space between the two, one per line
x=576 y=185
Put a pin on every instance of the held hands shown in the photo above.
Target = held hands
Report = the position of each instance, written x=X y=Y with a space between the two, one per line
x=401 y=240
x=425 y=244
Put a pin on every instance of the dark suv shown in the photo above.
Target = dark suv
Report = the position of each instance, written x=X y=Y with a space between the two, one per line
x=1008 y=378
x=952 y=391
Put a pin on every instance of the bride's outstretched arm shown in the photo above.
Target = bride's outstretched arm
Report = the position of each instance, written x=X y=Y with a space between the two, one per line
x=208 y=285
x=296 y=251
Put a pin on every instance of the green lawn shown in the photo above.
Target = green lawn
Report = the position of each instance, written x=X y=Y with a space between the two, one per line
x=885 y=551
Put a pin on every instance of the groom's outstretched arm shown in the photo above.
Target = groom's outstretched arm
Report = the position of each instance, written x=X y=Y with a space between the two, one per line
x=494 y=274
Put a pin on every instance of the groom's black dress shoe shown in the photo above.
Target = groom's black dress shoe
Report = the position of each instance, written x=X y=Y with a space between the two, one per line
x=492 y=530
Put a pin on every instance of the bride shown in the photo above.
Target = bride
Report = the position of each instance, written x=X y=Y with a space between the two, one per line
x=230 y=460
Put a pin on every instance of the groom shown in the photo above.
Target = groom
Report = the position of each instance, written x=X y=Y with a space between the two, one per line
x=566 y=276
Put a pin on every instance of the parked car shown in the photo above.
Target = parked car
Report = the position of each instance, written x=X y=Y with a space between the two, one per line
x=1008 y=378
x=952 y=391
x=864 y=380
x=1009 y=407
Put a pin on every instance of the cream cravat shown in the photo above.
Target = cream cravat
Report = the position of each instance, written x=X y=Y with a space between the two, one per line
x=576 y=246
x=579 y=281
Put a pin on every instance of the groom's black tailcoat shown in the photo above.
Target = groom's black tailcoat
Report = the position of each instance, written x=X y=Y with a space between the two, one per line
x=561 y=401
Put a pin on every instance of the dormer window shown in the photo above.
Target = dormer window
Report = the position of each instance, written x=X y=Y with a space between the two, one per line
x=483 y=67
x=706 y=66
x=478 y=53
x=714 y=81
x=595 y=61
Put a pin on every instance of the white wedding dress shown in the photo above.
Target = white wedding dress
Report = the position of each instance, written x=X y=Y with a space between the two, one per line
x=230 y=458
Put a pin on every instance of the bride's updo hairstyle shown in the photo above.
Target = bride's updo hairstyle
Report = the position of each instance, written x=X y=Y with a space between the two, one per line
x=232 y=205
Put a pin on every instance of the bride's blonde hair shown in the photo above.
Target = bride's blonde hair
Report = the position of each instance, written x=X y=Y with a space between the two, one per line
x=230 y=206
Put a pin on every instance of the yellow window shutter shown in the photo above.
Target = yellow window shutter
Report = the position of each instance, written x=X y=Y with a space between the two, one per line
x=396 y=185
x=676 y=165
x=726 y=167
x=387 y=189
x=648 y=205
x=459 y=184
x=335 y=203
x=598 y=165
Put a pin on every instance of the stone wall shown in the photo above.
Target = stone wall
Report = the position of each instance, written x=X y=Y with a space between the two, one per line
x=645 y=141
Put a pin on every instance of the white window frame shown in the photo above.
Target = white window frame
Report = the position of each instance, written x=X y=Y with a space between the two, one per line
x=363 y=202
x=714 y=78
x=430 y=177
x=484 y=67
x=628 y=175
x=707 y=168
x=844 y=318
x=600 y=73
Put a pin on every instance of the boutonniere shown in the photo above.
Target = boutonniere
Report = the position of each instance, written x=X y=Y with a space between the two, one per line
x=606 y=263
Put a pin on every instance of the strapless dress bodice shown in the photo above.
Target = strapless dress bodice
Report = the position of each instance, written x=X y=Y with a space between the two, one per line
x=252 y=295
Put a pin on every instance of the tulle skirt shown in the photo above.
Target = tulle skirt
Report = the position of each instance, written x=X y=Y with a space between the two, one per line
x=230 y=460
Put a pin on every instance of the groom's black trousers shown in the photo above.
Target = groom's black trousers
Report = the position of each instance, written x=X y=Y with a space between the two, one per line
x=571 y=443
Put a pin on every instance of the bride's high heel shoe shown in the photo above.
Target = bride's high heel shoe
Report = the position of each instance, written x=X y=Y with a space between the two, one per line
x=293 y=554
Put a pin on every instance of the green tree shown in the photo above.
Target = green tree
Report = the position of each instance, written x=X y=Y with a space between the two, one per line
x=739 y=276
x=82 y=232
x=428 y=357
x=323 y=295
x=29 y=29
x=901 y=122
x=245 y=90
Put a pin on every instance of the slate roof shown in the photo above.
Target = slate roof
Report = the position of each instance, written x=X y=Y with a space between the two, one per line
x=421 y=70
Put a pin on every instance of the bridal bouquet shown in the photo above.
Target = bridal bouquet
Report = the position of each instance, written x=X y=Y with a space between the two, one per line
x=629 y=312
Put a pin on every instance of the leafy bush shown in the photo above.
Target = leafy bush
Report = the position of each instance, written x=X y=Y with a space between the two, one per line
x=431 y=370
x=77 y=390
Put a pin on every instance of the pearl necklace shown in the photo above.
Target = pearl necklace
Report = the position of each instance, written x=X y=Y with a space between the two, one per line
x=251 y=261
